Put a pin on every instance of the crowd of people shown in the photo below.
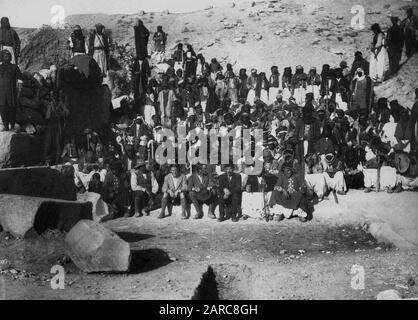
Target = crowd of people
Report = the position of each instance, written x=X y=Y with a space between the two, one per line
x=323 y=131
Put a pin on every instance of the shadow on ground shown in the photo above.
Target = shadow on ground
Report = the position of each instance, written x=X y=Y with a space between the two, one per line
x=133 y=237
x=148 y=260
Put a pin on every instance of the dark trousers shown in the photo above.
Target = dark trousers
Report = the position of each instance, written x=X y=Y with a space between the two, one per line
x=198 y=203
x=142 y=201
x=8 y=116
x=355 y=181
x=231 y=204
x=395 y=55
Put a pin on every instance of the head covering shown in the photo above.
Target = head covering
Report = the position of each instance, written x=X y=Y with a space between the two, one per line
x=281 y=130
x=5 y=24
x=140 y=163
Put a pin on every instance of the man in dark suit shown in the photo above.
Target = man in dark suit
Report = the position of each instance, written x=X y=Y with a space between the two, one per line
x=202 y=192
x=230 y=186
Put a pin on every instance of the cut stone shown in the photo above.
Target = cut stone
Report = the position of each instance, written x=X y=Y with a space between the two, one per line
x=93 y=248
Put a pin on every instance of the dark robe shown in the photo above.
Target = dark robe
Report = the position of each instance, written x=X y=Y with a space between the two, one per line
x=79 y=42
x=141 y=73
x=141 y=40
x=9 y=74
x=9 y=37
x=297 y=198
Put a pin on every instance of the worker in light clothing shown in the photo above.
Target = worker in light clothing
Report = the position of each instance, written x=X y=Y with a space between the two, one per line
x=144 y=186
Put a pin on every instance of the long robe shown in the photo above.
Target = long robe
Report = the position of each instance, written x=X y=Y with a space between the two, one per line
x=141 y=40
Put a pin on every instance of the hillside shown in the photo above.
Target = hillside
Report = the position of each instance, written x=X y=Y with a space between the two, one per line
x=282 y=33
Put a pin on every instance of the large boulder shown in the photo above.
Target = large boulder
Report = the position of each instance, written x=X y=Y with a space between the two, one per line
x=14 y=149
x=37 y=182
x=29 y=216
x=93 y=248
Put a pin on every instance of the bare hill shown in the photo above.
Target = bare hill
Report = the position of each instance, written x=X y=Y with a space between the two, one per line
x=283 y=33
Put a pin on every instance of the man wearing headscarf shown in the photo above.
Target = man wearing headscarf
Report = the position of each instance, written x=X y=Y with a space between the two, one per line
x=287 y=83
x=77 y=42
x=274 y=84
x=313 y=83
x=395 y=41
x=141 y=39
x=361 y=87
x=359 y=62
x=243 y=86
x=9 y=40
x=160 y=41
x=99 y=48
x=9 y=76
x=252 y=84
x=231 y=83
x=179 y=57
x=379 y=57
x=299 y=85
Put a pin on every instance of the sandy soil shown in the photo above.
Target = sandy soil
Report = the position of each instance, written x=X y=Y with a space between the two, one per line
x=251 y=259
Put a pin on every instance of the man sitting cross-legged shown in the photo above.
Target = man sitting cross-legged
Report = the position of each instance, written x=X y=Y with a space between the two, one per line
x=174 y=190
x=201 y=191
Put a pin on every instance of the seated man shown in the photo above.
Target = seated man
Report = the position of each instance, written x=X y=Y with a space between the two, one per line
x=144 y=186
x=314 y=177
x=174 y=190
x=288 y=197
x=230 y=187
x=334 y=174
x=202 y=192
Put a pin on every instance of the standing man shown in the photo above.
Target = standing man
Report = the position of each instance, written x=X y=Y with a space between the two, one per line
x=201 y=192
x=230 y=186
x=9 y=91
x=77 y=42
x=141 y=39
x=359 y=62
x=141 y=73
x=9 y=40
x=160 y=40
x=394 y=41
x=410 y=26
x=99 y=48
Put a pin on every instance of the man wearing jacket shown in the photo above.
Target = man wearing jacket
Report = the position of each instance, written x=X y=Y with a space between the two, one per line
x=174 y=192
x=202 y=192
x=230 y=186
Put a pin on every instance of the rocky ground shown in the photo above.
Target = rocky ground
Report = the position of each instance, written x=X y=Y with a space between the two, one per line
x=283 y=33
x=251 y=259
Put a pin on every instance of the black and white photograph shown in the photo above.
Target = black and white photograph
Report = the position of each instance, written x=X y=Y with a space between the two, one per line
x=208 y=155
